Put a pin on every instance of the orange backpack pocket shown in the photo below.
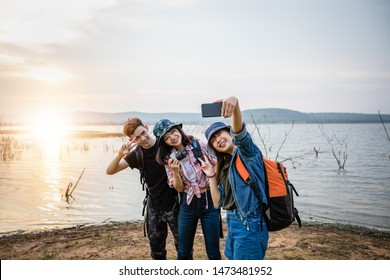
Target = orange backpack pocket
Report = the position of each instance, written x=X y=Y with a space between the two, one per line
x=276 y=176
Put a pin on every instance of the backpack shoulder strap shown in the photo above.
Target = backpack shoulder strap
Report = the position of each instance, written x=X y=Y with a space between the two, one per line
x=242 y=169
x=140 y=159
x=139 y=154
x=244 y=174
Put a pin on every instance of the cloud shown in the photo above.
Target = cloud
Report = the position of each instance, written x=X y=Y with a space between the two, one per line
x=30 y=29
x=40 y=22
x=9 y=59
x=117 y=55
x=353 y=74
x=47 y=74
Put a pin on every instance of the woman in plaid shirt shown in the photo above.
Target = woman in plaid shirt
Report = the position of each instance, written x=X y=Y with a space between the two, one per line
x=178 y=155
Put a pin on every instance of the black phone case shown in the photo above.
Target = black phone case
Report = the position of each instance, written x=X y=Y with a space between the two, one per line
x=211 y=109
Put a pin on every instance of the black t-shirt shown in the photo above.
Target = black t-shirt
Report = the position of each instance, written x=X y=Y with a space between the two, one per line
x=162 y=197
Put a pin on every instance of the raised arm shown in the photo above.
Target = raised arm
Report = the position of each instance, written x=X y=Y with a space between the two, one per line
x=231 y=108
x=118 y=163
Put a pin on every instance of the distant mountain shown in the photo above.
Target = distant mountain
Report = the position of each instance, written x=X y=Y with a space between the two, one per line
x=275 y=115
x=119 y=118
x=271 y=115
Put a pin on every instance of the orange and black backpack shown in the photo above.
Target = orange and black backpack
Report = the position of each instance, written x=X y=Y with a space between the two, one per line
x=280 y=212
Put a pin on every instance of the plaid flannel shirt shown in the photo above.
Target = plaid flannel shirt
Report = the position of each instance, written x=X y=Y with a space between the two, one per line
x=191 y=173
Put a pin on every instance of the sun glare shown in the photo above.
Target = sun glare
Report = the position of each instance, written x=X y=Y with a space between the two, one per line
x=49 y=125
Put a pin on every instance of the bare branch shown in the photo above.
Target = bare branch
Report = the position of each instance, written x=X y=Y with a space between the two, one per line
x=71 y=188
x=340 y=154
x=383 y=123
x=260 y=136
x=317 y=151
x=293 y=159
x=284 y=140
x=77 y=182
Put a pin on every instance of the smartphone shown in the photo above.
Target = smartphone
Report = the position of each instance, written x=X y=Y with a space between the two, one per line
x=211 y=109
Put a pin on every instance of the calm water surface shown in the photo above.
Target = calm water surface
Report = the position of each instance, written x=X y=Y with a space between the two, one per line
x=32 y=185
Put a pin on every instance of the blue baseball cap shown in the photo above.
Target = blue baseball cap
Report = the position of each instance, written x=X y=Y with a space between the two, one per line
x=213 y=128
x=162 y=127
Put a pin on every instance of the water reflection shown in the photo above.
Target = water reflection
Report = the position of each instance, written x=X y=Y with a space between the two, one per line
x=52 y=174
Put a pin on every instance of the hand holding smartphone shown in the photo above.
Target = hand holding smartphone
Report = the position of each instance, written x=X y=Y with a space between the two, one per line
x=210 y=110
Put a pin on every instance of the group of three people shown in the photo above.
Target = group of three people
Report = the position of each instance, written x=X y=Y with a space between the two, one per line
x=203 y=183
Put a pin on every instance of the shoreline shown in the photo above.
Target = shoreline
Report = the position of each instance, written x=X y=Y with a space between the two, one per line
x=109 y=221
x=126 y=241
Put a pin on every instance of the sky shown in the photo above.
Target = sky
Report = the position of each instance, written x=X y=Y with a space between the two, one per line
x=172 y=55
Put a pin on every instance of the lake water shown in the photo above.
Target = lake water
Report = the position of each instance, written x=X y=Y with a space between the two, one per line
x=33 y=183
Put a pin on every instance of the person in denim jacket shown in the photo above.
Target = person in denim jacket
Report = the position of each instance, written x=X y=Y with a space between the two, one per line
x=247 y=236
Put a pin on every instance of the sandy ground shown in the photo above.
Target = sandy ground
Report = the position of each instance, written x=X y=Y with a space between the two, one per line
x=118 y=241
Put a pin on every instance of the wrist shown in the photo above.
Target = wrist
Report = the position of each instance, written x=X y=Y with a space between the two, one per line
x=121 y=154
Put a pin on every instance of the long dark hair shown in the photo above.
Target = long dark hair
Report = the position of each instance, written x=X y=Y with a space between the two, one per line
x=222 y=160
x=165 y=150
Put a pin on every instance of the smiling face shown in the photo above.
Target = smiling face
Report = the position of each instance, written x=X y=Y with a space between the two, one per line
x=142 y=137
x=173 y=138
x=222 y=141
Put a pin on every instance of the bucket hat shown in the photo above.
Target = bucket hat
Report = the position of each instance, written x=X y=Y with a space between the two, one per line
x=162 y=127
x=213 y=128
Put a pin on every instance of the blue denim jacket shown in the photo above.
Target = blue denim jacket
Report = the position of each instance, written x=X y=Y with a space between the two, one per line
x=245 y=198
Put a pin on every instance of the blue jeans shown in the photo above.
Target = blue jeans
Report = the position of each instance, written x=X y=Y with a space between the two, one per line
x=200 y=208
x=246 y=241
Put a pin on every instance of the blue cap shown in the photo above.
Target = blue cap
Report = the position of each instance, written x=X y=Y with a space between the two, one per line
x=162 y=127
x=217 y=126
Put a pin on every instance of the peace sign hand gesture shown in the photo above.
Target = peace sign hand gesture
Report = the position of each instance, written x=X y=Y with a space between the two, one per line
x=207 y=168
